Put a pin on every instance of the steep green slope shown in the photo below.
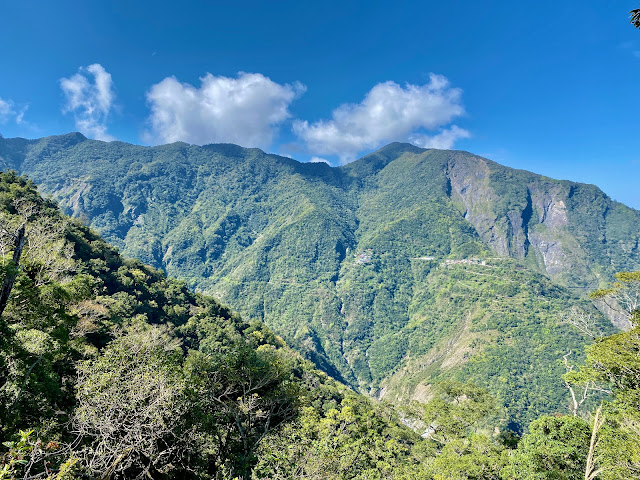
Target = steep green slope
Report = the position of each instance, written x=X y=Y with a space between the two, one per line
x=350 y=264
x=71 y=294
x=570 y=231
x=110 y=369
x=508 y=337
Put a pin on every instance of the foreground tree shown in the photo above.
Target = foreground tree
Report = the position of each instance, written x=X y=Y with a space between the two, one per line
x=554 y=448
x=613 y=363
x=131 y=406
x=38 y=284
x=111 y=370
x=457 y=409
x=623 y=296
x=236 y=398
x=635 y=17
x=460 y=423
x=350 y=441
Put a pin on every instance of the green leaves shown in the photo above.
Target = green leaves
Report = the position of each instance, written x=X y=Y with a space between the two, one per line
x=555 y=448
x=154 y=379
x=131 y=403
x=161 y=381
x=351 y=441
x=14 y=459
x=457 y=410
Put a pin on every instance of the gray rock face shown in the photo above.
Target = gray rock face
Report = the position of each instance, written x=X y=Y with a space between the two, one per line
x=550 y=205
x=546 y=236
x=535 y=228
x=470 y=185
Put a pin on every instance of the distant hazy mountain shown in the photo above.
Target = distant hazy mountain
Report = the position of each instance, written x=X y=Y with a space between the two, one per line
x=397 y=270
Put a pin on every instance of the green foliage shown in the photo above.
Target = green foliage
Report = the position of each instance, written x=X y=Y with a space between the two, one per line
x=236 y=398
x=131 y=404
x=351 y=441
x=612 y=365
x=509 y=338
x=281 y=241
x=15 y=456
x=26 y=452
x=614 y=362
x=36 y=347
x=456 y=409
x=460 y=435
x=118 y=371
x=622 y=296
x=378 y=289
x=555 y=448
x=128 y=372
x=473 y=458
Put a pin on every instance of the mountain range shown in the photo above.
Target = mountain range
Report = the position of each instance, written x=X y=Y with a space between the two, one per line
x=392 y=273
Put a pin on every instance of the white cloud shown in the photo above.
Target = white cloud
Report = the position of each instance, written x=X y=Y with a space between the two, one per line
x=5 y=107
x=388 y=112
x=246 y=110
x=20 y=115
x=8 y=111
x=630 y=46
x=89 y=95
x=320 y=160
x=443 y=140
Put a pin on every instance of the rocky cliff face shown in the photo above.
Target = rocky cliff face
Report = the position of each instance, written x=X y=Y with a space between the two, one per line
x=549 y=236
x=469 y=179
x=532 y=223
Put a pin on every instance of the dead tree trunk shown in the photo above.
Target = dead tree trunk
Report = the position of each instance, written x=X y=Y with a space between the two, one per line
x=12 y=272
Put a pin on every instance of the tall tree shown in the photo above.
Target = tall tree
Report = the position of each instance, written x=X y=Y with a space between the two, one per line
x=614 y=362
x=131 y=405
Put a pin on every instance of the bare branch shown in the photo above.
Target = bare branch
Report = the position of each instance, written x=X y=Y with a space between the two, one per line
x=582 y=321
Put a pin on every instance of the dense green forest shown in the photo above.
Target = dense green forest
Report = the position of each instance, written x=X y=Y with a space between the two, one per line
x=109 y=369
x=392 y=273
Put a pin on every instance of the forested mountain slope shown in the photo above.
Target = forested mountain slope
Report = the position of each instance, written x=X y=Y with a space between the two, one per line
x=396 y=271
x=109 y=369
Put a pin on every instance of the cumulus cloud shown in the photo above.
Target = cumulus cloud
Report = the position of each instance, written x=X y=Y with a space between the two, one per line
x=5 y=108
x=246 y=110
x=443 y=140
x=89 y=96
x=388 y=112
x=9 y=111
x=319 y=160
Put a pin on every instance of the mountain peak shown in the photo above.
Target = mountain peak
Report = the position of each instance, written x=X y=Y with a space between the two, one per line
x=399 y=147
x=67 y=138
x=374 y=162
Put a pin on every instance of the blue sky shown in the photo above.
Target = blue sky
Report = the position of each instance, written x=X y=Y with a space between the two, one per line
x=548 y=86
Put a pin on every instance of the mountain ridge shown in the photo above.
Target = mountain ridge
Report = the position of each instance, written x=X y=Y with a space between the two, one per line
x=470 y=183
x=349 y=263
